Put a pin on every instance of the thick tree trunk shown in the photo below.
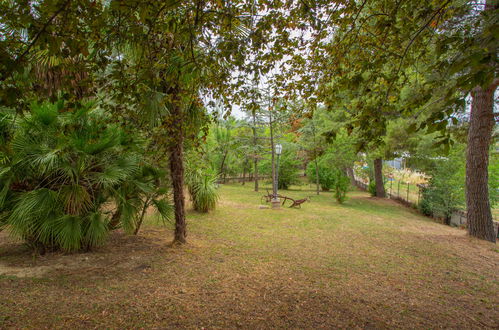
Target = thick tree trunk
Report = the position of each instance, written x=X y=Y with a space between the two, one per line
x=177 y=175
x=477 y=161
x=378 y=178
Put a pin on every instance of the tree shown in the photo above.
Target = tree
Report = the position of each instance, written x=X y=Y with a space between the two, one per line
x=325 y=172
x=310 y=140
x=444 y=53
x=191 y=47
x=378 y=178
x=60 y=169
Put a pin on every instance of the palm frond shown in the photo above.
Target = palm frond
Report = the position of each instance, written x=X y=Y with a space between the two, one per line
x=95 y=229
x=165 y=208
x=30 y=210
x=68 y=232
x=204 y=192
x=76 y=199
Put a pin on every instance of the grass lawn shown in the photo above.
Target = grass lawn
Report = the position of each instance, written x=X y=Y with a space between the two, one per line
x=367 y=263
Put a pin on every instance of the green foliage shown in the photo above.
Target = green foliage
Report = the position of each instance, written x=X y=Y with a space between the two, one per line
x=445 y=192
x=341 y=185
x=341 y=151
x=62 y=171
x=288 y=168
x=371 y=188
x=330 y=178
x=288 y=171
x=326 y=174
x=202 y=186
x=494 y=178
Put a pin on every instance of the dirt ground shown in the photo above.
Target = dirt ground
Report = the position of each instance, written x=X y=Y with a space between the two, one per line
x=367 y=264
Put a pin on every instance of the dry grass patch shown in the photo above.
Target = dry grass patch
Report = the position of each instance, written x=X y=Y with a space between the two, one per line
x=367 y=263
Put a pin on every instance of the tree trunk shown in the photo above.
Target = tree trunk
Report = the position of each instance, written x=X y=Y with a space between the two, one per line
x=142 y=215
x=255 y=142
x=221 y=171
x=351 y=175
x=378 y=177
x=244 y=174
x=177 y=174
x=115 y=220
x=272 y=149
x=317 y=176
x=315 y=158
x=477 y=161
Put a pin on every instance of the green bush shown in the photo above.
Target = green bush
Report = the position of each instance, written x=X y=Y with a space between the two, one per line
x=202 y=186
x=424 y=204
x=63 y=173
x=288 y=169
x=326 y=175
x=371 y=188
x=341 y=185
x=445 y=192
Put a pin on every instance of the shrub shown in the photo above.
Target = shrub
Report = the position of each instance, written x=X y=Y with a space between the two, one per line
x=202 y=187
x=288 y=169
x=424 y=204
x=371 y=188
x=445 y=191
x=341 y=185
x=61 y=172
x=326 y=175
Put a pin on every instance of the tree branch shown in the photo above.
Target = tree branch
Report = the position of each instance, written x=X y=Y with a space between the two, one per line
x=44 y=27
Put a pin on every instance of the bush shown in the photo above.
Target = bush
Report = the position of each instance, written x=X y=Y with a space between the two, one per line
x=445 y=191
x=341 y=185
x=61 y=172
x=424 y=204
x=288 y=169
x=371 y=188
x=326 y=175
x=202 y=187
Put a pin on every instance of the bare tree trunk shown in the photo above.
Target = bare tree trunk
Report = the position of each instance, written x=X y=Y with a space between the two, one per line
x=221 y=171
x=177 y=174
x=115 y=220
x=274 y=184
x=317 y=176
x=142 y=215
x=378 y=178
x=315 y=158
x=351 y=175
x=255 y=142
x=477 y=161
x=244 y=173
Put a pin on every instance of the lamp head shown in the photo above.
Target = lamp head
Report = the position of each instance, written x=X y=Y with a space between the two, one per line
x=278 y=149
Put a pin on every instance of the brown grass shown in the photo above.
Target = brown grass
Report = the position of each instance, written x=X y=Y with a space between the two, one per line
x=369 y=263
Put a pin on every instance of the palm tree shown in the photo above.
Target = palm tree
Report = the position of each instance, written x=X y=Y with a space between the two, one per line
x=66 y=173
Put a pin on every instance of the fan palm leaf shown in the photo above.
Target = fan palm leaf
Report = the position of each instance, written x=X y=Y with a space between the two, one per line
x=59 y=169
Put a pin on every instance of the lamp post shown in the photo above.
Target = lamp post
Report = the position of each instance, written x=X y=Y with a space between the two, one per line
x=275 y=201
